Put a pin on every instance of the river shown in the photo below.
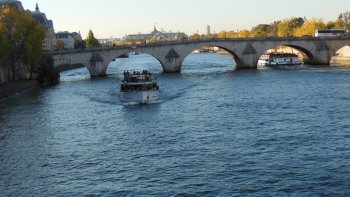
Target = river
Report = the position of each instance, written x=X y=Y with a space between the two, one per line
x=215 y=132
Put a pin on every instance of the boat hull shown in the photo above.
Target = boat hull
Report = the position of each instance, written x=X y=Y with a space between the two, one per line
x=141 y=97
x=279 y=62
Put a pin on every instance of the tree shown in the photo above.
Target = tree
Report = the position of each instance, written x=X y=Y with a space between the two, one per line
x=182 y=38
x=79 y=44
x=59 y=45
x=287 y=27
x=243 y=34
x=21 y=39
x=330 y=25
x=91 y=41
x=231 y=34
x=309 y=27
x=273 y=29
x=260 y=31
x=222 y=34
x=345 y=18
x=195 y=37
x=48 y=74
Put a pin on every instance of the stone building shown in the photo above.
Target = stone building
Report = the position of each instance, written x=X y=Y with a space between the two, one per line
x=67 y=38
x=50 y=40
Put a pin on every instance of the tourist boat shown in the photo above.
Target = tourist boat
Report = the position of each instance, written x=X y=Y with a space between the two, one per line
x=279 y=59
x=139 y=87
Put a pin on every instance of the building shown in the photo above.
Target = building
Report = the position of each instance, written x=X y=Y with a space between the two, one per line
x=67 y=38
x=108 y=42
x=155 y=34
x=208 y=30
x=50 y=40
x=13 y=3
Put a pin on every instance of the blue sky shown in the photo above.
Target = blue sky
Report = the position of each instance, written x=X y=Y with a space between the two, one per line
x=117 y=18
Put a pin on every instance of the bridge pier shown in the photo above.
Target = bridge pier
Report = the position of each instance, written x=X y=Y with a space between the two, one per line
x=97 y=67
x=322 y=56
x=172 y=62
x=249 y=59
x=172 y=67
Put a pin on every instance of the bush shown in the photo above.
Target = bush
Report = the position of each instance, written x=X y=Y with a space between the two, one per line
x=48 y=74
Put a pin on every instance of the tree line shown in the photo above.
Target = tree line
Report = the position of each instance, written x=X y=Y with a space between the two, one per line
x=295 y=26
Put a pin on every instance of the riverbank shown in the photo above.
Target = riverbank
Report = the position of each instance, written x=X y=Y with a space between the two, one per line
x=10 y=89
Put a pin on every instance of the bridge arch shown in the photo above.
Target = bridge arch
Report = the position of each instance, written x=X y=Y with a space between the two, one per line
x=305 y=53
x=341 y=56
x=190 y=50
x=135 y=62
x=126 y=53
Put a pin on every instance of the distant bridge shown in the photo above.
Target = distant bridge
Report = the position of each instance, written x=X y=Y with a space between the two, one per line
x=245 y=52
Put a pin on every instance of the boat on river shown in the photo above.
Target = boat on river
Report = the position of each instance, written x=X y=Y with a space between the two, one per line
x=279 y=59
x=139 y=87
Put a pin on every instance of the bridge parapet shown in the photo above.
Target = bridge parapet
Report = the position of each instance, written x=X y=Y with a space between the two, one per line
x=245 y=51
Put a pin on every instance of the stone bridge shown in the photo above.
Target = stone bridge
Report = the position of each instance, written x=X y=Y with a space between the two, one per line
x=245 y=52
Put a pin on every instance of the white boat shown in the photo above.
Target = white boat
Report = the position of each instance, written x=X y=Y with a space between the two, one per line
x=139 y=87
x=279 y=59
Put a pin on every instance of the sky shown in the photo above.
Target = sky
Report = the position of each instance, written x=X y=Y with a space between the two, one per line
x=117 y=18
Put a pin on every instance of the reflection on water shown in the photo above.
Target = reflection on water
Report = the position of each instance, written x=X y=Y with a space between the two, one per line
x=217 y=131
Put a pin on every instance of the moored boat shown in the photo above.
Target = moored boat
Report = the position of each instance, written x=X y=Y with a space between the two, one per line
x=139 y=87
x=279 y=59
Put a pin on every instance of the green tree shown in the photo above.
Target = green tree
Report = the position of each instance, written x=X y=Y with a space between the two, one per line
x=21 y=39
x=330 y=25
x=182 y=38
x=79 y=44
x=91 y=41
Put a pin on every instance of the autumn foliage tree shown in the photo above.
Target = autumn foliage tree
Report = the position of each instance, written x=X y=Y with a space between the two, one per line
x=309 y=27
x=295 y=26
x=21 y=41
x=287 y=27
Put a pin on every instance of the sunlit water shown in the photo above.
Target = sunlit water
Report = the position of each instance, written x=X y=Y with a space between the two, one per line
x=215 y=132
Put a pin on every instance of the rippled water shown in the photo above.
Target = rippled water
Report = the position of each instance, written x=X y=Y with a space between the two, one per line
x=215 y=132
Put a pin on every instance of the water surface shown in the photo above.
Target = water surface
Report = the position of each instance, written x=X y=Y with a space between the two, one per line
x=215 y=132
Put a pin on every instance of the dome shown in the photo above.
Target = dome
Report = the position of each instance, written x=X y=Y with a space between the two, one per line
x=41 y=17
